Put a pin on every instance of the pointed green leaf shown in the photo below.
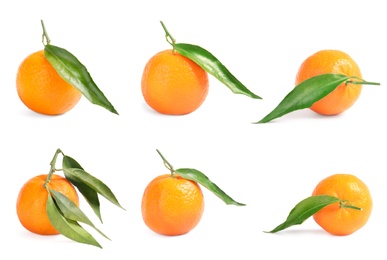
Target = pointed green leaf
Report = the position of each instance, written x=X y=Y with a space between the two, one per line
x=305 y=209
x=94 y=183
x=305 y=94
x=71 y=211
x=214 y=67
x=76 y=74
x=199 y=177
x=69 y=162
x=88 y=193
x=68 y=228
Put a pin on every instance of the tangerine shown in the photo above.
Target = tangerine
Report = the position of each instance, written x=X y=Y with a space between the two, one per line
x=354 y=209
x=173 y=84
x=337 y=62
x=172 y=205
x=42 y=89
x=31 y=202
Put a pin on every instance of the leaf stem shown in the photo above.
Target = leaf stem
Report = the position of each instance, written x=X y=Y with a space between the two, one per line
x=45 y=39
x=52 y=168
x=167 y=164
x=361 y=82
x=168 y=36
x=344 y=204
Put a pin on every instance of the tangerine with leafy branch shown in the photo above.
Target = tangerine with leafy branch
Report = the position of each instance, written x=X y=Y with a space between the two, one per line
x=173 y=204
x=48 y=204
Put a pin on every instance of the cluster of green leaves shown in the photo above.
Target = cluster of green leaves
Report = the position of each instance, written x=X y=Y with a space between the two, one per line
x=75 y=73
x=64 y=214
x=210 y=64
x=202 y=179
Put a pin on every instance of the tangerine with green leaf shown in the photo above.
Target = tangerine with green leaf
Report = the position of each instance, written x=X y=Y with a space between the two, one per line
x=173 y=204
x=53 y=80
x=175 y=81
x=328 y=82
x=337 y=62
x=352 y=211
x=341 y=204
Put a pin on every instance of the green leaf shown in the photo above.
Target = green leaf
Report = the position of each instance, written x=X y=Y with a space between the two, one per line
x=305 y=209
x=76 y=74
x=199 y=177
x=68 y=228
x=94 y=183
x=305 y=94
x=71 y=211
x=214 y=67
x=88 y=193
x=69 y=162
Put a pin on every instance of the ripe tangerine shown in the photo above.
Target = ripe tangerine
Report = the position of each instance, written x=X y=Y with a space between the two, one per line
x=32 y=198
x=337 y=62
x=341 y=218
x=173 y=84
x=41 y=88
x=172 y=205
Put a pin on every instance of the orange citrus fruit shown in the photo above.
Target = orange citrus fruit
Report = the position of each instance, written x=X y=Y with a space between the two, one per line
x=172 y=205
x=341 y=218
x=173 y=84
x=336 y=62
x=41 y=88
x=31 y=202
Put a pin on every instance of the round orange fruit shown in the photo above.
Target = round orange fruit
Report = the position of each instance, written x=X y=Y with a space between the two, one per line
x=173 y=84
x=336 y=62
x=354 y=209
x=31 y=202
x=172 y=205
x=41 y=88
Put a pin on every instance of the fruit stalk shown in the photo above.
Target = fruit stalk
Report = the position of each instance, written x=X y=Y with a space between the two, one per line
x=52 y=167
x=361 y=82
x=167 y=164
x=168 y=36
x=344 y=204
x=45 y=35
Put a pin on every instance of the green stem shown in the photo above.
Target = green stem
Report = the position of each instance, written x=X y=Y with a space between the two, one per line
x=168 y=36
x=361 y=82
x=45 y=35
x=344 y=204
x=52 y=168
x=167 y=164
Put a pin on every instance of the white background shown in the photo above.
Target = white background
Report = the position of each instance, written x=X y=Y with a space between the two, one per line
x=269 y=167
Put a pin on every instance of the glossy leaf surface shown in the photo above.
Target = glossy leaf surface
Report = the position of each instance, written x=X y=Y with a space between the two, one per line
x=199 y=177
x=306 y=94
x=68 y=228
x=214 y=67
x=89 y=193
x=76 y=74
x=71 y=211
x=92 y=182
x=305 y=209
